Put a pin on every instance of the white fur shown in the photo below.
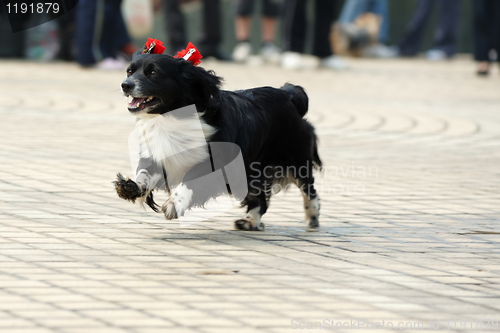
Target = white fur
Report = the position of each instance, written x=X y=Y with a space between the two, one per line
x=311 y=208
x=178 y=143
x=178 y=202
x=254 y=215
x=149 y=182
x=252 y=220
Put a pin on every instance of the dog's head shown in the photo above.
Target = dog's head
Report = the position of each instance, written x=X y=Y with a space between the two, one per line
x=160 y=83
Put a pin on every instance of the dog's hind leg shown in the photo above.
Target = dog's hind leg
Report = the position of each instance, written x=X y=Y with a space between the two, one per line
x=311 y=208
x=311 y=200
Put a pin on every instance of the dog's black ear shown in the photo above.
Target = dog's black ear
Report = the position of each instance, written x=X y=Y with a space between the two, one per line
x=201 y=85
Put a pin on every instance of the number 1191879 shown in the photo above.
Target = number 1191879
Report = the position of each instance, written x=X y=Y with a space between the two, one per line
x=39 y=8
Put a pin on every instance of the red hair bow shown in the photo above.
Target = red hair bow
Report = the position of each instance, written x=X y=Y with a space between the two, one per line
x=190 y=53
x=154 y=46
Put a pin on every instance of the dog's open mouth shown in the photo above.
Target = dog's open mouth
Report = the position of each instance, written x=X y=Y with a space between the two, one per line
x=141 y=103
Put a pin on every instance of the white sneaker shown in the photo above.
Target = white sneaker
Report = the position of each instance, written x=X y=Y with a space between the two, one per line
x=291 y=60
x=333 y=62
x=242 y=51
x=271 y=53
x=111 y=64
x=436 y=55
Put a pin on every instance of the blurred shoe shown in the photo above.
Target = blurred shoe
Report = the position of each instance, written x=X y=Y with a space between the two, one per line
x=242 y=51
x=333 y=62
x=291 y=60
x=271 y=53
x=128 y=50
x=111 y=64
x=436 y=55
x=380 y=51
x=483 y=68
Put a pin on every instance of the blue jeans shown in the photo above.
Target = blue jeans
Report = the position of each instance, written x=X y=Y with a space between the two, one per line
x=93 y=35
x=445 y=36
x=353 y=8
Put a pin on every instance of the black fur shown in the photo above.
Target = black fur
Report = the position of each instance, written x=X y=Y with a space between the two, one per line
x=266 y=123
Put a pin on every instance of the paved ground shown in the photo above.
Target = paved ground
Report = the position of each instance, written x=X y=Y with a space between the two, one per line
x=415 y=240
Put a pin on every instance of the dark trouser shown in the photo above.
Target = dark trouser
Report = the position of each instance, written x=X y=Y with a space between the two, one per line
x=99 y=25
x=176 y=26
x=67 y=28
x=446 y=33
x=295 y=26
x=210 y=37
x=270 y=8
x=486 y=29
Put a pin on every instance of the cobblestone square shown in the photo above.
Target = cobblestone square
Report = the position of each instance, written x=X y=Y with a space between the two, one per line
x=409 y=221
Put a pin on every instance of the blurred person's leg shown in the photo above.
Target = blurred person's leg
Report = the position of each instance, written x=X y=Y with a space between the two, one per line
x=380 y=50
x=242 y=24
x=270 y=12
x=87 y=33
x=294 y=37
x=381 y=8
x=324 y=14
x=243 y=12
x=176 y=27
x=484 y=16
x=352 y=9
x=211 y=35
x=324 y=11
x=496 y=28
x=115 y=36
x=123 y=41
x=410 y=43
x=268 y=29
x=446 y=33
x=294 y=23
x=67 y=24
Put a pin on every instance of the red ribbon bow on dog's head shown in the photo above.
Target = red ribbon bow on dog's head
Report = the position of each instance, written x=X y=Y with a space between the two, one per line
x=154 y=46
x=190 y=53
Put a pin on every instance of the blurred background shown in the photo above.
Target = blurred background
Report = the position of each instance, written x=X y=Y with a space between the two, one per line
x=104 y=33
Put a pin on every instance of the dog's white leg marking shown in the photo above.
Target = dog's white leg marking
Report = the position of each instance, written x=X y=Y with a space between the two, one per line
x=178 y=203
x=147 y=183
x=311 y=208
x=251 y=221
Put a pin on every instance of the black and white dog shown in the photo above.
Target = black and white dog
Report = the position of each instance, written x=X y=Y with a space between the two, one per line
x=278 y=146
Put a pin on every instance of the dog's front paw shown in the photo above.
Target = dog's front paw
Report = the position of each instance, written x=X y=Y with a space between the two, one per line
x=249 y=223
x=126 y=188
x=178 y=203
x=168 y=208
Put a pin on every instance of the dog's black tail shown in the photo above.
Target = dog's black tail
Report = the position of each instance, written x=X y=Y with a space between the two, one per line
x=298 y=96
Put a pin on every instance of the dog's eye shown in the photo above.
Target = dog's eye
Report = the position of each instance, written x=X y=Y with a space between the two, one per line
x=129 y=72
x=153 y=73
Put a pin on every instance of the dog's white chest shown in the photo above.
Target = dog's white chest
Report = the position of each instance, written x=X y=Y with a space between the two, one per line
x=177 y=140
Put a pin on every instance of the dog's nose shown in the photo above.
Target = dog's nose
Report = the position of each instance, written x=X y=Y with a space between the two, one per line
x=127 y=86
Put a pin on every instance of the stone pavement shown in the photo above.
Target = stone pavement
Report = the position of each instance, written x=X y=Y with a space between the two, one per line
x=409 y=224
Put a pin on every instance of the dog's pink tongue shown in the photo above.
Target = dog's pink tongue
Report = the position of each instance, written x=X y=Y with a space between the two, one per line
x=134 y=103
